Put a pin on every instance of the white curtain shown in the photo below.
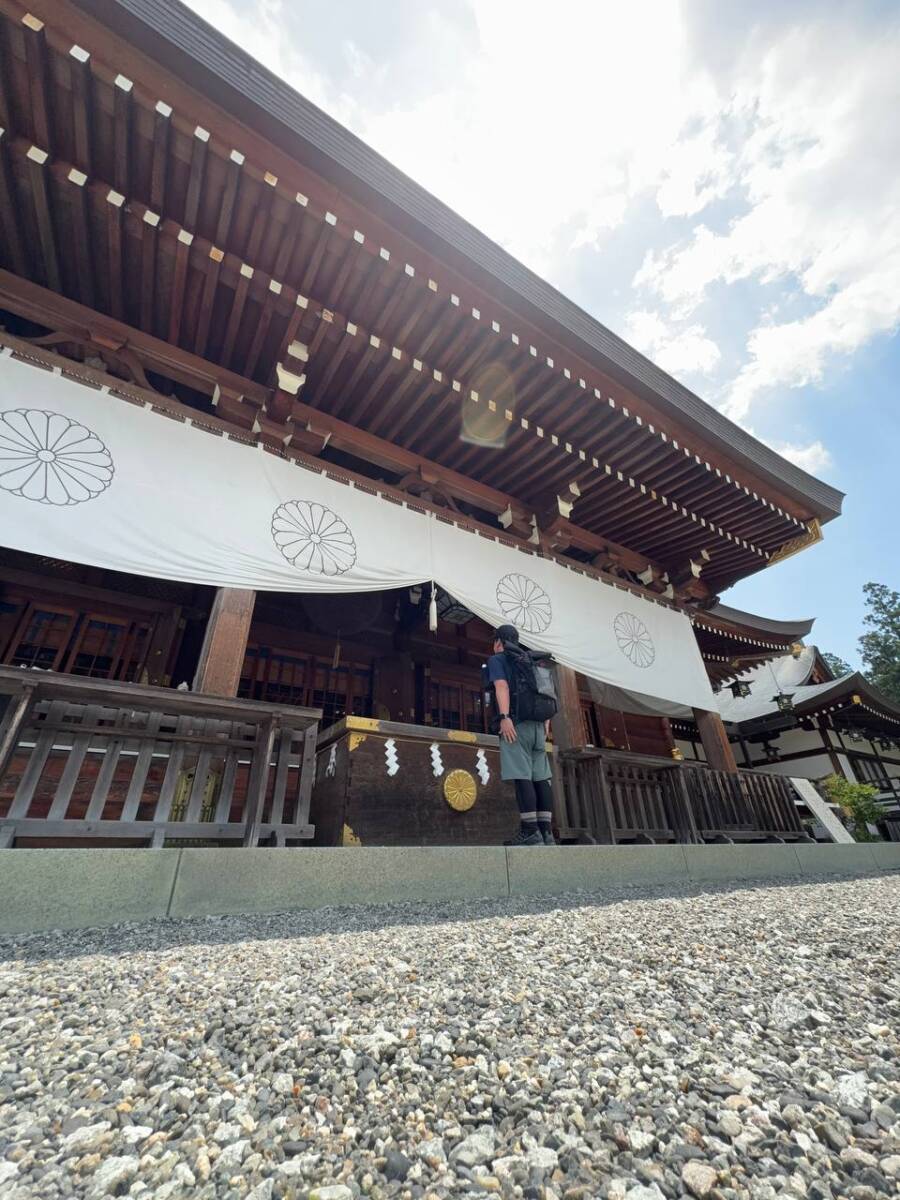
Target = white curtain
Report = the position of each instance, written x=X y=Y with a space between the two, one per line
x=91 y=478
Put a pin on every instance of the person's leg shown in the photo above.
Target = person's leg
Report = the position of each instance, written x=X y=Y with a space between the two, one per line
x=515 y=768
x=527 y=802
x=544 y=808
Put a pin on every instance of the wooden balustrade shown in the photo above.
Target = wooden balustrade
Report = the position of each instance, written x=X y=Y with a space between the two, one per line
x=92 y=760
x=610 y=796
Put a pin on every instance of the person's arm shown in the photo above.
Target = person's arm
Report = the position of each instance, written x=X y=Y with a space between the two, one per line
x=507 y=729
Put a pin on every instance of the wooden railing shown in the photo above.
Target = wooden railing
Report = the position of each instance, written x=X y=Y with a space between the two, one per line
x=93 y=760
x=610 y=796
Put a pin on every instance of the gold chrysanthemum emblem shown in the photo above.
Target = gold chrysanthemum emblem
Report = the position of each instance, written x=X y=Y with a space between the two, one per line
x=460 y=790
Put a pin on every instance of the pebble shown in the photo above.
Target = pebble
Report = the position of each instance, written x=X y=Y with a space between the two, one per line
x=699 y=1178
x=639 y=1044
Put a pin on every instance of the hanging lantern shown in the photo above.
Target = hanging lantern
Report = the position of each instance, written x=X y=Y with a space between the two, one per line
x=785 y=701
x=885 y=744
x=797 y=649
x=677 y=754
x=449 y=609
x=740 y=688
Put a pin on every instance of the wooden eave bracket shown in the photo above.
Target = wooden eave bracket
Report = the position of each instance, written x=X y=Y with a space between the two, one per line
x=517 y=520
x=232 y=406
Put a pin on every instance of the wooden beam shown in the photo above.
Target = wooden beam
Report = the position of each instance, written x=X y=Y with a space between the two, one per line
x=367 y=446
x=122 y=89
x=238 y=303
x=62 y=315
x=115 y=203
x=200 y=146
x=225 y=642
x=82 y=85
x=149 y=244
x=261 y=220
x=38 y=80
x=715 y=741
x=214 y=262
x=40 y=190
x=81 y=229
x=183 y=244
x=162 y=123
x=261 y=331
x=12 y=246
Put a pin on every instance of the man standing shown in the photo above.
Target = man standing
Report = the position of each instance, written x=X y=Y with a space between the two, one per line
x=523 y=750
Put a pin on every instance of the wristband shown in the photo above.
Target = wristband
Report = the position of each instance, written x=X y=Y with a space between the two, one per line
x=505 y=717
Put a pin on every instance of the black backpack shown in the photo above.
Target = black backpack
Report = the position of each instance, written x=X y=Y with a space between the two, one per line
x=532 y=692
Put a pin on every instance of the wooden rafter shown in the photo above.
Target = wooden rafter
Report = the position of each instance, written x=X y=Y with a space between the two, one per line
x=44 y=307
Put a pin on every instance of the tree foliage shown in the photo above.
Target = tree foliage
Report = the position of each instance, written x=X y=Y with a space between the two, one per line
x=857 y=802
x=836 y=664
x=880 y=644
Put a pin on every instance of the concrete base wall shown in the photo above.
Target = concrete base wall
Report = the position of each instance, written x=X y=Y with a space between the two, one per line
x=72 y=889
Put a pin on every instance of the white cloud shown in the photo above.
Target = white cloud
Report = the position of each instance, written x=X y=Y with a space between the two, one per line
x=813 y=457
x=685 y=351
x=818 y=169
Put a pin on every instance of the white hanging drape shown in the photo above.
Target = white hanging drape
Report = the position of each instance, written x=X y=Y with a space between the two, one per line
x=96 y=480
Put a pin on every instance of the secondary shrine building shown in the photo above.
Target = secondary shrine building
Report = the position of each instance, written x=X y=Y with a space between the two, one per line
x=265 y=405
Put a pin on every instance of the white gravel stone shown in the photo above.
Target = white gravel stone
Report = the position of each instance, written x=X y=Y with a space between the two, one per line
x=641 y=1192
x=231 y=1157
x=132 y=1134
x=334 y=1191
x=852 y=1090
x=477 y=1148
x=699 y=1178
x=731 y=1124
x=111 y=1175
x=87 y=1137
x=609 y=1046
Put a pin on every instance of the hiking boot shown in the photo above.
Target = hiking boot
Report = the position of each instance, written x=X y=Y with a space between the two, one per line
x=547 y=836
x=525 y=839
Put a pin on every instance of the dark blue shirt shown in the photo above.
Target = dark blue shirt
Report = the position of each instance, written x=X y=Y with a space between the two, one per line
x=497 y=668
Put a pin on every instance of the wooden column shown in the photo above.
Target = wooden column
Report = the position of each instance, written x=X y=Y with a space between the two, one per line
x=568 y=724
x=829 y=746
x=225 y=642
x=718 y=750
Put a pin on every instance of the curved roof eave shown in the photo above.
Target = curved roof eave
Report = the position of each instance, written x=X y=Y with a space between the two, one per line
x=736 y=616
x=168 y=24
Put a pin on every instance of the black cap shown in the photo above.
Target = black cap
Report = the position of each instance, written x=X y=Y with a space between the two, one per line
x=508 y=633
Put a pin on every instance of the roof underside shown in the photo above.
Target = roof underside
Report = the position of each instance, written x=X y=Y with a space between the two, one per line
x=252 y=85
x=188 y=232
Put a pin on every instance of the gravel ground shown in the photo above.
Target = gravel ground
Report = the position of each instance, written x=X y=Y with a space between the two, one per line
x=721 y=1042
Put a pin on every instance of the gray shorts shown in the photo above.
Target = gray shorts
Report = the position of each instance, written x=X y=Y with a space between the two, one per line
x=525 y=758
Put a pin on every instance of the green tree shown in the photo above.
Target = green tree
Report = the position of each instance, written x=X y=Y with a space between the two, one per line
x=856 y=801
x=880 y=644
x=836 y=664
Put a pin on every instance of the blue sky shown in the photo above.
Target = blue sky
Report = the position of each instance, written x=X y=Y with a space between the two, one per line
x=718 y=183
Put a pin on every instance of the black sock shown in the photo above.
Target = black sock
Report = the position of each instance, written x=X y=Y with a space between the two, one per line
x=544 y=798
x=527 y=802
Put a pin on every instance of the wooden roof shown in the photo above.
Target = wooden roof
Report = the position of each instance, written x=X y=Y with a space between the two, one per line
x=140 y=207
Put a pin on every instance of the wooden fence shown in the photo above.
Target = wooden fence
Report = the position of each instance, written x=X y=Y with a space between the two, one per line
x=91 y=760
x=610 y=796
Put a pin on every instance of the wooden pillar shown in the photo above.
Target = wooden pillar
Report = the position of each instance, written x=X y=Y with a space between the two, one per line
x=716 y=746
x=568 y=724
x=225 y=642
x=829 y=746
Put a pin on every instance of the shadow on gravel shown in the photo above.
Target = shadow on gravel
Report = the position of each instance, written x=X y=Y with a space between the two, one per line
x=161 y=935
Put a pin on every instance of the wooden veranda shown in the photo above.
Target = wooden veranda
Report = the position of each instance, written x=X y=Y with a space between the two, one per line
x=97 y=761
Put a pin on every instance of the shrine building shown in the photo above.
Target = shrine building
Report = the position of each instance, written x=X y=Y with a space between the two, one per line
x=283 y=439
